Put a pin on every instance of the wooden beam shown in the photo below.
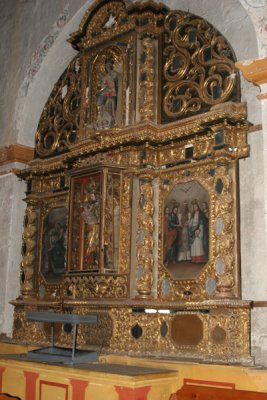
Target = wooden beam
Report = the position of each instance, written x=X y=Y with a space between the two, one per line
x=16 y=153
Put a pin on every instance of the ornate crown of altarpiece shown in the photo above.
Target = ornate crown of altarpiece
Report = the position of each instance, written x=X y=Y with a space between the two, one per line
x=132 y=198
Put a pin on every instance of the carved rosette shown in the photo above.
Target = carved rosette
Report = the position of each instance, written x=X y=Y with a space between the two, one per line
x=145 y=241
x=29 y=252
x=147 y=80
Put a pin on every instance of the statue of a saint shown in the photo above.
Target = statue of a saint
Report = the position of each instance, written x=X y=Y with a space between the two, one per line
x=107 y=96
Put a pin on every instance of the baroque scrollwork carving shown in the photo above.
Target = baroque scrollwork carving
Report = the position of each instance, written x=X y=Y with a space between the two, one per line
x=59 y=122
x=199 y=68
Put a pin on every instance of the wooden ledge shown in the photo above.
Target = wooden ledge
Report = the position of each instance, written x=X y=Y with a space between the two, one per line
x=254 y=71
x=16 y=153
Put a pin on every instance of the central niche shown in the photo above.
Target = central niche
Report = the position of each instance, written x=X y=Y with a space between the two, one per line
x=95 y=215
x=186 y=230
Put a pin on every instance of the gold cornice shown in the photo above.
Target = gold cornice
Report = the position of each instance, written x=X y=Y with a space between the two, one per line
x=147 y=132
x=254 y=71
x=16 y=153
x=151 y=132
x=137 y=303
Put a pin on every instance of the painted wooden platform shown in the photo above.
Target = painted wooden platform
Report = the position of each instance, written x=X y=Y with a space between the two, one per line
x=117 y=377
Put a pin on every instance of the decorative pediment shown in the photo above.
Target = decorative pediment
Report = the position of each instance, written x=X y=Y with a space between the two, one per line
x=138 y=63
x=111 y=18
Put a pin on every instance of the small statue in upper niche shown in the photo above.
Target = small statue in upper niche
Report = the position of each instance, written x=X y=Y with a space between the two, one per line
x=107 y=95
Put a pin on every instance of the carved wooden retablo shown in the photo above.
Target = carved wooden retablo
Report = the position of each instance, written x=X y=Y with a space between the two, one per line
x=132 y=198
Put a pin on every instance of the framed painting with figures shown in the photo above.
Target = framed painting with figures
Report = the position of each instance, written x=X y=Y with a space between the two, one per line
x=54 y=244
x=94 y=221
x=186 y=230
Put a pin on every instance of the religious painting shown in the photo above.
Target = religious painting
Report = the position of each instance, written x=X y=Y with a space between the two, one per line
x=186 y=230
x=94 y=226
x=85 y=222
x=53 y=256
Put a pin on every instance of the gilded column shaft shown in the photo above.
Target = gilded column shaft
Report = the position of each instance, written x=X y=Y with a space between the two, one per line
x=147 y=80
x=145 y=242
x=29 y=252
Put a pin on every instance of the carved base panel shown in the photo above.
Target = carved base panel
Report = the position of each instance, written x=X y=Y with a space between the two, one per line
x=211 y=334
x=39 y=333
x=202 y=332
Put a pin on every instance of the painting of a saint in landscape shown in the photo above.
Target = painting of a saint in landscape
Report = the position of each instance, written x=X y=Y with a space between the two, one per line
x=186 y=230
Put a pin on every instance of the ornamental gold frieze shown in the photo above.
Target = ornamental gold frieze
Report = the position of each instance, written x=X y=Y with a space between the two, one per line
x=204 y=266
x=50 y=183
x=43 y=168
x=95 y=286
x=123 y=157
x=148 y=132
x=49 y=292
x=53 y=183
x=215 y=335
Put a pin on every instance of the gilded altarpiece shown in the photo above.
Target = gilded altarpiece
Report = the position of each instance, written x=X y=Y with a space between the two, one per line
x=132 y=198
